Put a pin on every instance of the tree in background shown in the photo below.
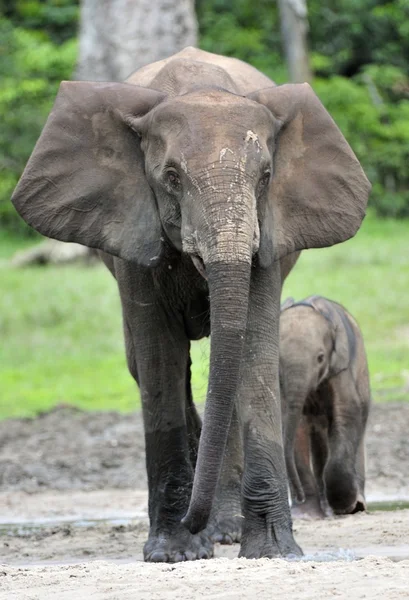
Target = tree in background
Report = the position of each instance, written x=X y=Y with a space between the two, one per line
x=119 y=36
x=294 y=29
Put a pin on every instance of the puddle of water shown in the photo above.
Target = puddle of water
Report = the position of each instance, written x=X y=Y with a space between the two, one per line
x=394 y=553
x=25 y=527
x=328 y=556
x=28 y=528
x=32 y=525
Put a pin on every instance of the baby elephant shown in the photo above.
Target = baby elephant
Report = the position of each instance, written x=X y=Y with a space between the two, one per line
x=325 y=402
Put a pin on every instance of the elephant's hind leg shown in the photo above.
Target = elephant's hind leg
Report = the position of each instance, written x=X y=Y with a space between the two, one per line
x=342 y=481
x=193 y=420
x=226 y=519
x=360 y=473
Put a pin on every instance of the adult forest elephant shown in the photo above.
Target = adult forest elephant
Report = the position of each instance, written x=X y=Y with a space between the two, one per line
x=196 y=177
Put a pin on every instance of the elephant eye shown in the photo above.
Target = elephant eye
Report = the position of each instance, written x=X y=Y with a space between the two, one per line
x=320 y=357
x=172 y=177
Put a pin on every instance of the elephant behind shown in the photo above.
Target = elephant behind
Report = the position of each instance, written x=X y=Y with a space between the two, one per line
x=325 y=397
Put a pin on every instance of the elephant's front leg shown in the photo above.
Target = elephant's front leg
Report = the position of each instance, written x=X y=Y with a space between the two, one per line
x=158 y=358
x=168 y=453
x=267 y=529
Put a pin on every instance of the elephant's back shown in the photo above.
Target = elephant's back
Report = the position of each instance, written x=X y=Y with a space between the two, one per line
x=230 y=73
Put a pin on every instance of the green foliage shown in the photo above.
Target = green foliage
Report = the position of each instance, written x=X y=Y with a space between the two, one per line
x=377 y=128
x=361 y=59
x=237 y=28
x=57 y=19
x=355 y=33
x=31 y=68
x=360 y=55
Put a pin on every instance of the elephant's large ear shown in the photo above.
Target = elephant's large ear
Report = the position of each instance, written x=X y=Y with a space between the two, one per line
x=319 y=191
x=344 y=340
x=85 y=180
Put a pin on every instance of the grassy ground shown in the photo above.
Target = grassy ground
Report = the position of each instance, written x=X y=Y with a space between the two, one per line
x=61 y=336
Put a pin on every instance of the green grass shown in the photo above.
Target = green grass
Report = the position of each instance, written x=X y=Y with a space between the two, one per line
x=61 y=331
x=61 y=340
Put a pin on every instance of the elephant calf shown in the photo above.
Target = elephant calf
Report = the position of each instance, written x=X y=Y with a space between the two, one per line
x=325 y=398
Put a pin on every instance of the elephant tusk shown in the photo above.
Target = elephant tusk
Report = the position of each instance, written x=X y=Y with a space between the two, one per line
x=197 y=261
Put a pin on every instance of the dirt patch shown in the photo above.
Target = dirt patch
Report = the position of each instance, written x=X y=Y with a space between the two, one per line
x=71 y=449
x=83 y=535
x=68 y=449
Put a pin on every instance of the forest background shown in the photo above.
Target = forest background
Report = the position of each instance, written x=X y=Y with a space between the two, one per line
x=359 y=54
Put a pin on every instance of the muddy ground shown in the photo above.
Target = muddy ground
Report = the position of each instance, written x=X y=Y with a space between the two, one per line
x=67 y=449
x=73 y=519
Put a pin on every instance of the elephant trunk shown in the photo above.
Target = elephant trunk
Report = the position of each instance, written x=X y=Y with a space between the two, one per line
x=292 y=422
x=295 y=392
x=224 y=233
x=229 y=287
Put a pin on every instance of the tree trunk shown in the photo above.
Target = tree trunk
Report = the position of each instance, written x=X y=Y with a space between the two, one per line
x=294 y=29
x=118 y=37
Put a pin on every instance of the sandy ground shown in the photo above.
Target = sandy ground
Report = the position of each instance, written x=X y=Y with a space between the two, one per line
x=359 y=556
x=73 y=520
x=66 y=527
x=372 y=579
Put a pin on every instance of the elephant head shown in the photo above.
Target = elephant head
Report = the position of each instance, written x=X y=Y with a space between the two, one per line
x=233 y=181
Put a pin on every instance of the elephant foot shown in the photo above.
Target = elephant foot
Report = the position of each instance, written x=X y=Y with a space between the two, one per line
x=309 y=510
x=360 y=505
x=342 y=489
x=225 y=530
x=276 y=542
x=178 y=547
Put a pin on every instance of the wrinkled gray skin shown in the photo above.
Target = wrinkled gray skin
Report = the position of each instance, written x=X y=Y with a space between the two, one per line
x=325 y=399
x=200 y=191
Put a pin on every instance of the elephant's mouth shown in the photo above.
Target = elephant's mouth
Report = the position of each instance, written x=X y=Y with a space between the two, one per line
x=197 y=261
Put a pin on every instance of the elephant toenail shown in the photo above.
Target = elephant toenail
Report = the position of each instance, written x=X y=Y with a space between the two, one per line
x=158 y=557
